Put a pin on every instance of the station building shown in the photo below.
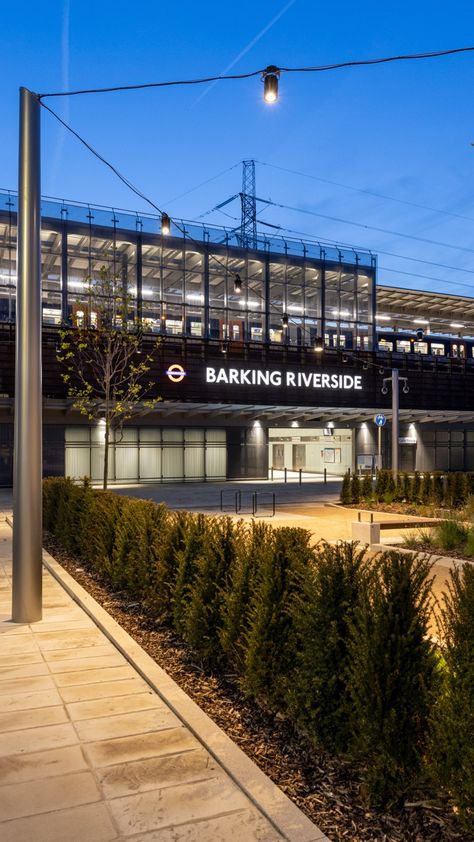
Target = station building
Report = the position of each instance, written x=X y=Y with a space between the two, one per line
x=286 y=371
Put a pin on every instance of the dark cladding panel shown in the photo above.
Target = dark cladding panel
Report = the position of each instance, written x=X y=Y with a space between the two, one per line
x=6 y=455
x=247 y=453
x=53 y=450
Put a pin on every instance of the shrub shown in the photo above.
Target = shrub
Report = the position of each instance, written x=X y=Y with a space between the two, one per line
x=438 y=488
x=366 y=490
x=381 y=484
x=399 y=489
x=194 y=538
x=167 y=548
x=452 y=742
x=392 y=675
x=254 y=552
x=355 y=488
x=204 y=616
x=459 y=490
x=346 y=495
x=469 y=545
x=318 y=696
x=416 y=488
x=451 y=534
x=407 y=488
x=426 y=490
x=269 y=658
x=390 y=488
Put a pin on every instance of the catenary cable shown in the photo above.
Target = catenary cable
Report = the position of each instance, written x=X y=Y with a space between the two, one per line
x=234 y=76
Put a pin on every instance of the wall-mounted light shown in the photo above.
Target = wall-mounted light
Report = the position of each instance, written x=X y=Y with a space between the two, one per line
x=225 y=346
x=318 y=345
x=237 y=284
x=165 y=224
x=270 y=83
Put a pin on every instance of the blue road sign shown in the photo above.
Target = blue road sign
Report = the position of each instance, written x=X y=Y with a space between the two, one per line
x=380 y=420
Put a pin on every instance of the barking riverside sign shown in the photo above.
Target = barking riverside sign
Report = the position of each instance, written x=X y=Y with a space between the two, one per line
x=276 y=377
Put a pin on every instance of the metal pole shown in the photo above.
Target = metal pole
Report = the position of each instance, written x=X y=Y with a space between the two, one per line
x=395 y=419
x=379 y=460
x=27 y=468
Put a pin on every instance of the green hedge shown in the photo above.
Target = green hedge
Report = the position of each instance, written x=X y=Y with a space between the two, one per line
x=322 y=635
x=451 y=489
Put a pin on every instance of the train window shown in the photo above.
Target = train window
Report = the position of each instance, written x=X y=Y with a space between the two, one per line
x=420 y=347
x=404 y=346
x=438 y=349
x=458 y=349
x=385 y=345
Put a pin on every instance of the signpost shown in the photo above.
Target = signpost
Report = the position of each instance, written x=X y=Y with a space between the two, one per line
x=380 y=420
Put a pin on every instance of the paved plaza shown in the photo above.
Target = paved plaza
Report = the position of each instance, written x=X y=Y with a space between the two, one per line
x=95 y=746
x=98 y=743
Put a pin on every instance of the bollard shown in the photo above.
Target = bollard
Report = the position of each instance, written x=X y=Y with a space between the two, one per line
x=285 y=472
x=325 y=476
x=300 y=474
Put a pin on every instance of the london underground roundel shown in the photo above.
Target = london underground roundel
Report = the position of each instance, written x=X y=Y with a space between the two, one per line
x=175 y=373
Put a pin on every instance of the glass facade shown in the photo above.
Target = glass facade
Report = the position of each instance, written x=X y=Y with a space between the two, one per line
x=184 y=284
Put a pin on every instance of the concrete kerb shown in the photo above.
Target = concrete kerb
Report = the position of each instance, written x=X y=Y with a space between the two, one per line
x=287 y=819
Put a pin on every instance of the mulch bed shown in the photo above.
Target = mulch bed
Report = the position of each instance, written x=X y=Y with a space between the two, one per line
x=327 y=789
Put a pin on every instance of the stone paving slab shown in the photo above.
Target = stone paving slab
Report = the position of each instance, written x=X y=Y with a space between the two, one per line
x=98 y=743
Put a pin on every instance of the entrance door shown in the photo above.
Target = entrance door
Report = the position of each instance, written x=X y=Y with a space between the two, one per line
x=299 y=456
x=407 y=457
x=278 y=456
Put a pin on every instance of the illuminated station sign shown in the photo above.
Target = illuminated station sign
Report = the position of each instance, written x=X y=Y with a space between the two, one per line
x=277 y=377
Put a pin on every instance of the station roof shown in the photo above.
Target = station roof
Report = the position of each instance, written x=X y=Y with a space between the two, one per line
x=433 y=312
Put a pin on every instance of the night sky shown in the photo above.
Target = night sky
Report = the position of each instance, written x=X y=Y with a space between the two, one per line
x=402 y=131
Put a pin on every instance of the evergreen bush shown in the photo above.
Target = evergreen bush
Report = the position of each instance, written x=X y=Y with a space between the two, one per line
x=392 y=675
x=459 y=490
x=399 y=488
x=416 y=488
x=255 y=548
x=426 y=491
x=438 y=488
x=318 y=695
x=390 y=488
x=407 y=488
x=346 y=496
x=355 y=488
x=204 y=616
x=452 y=741
x=366 y=489
x=270 y=653
x=381 y=484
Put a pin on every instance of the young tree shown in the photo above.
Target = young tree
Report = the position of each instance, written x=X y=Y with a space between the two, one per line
x=104 y=367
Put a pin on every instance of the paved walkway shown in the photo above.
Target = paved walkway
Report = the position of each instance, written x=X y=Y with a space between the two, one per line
x=90 y=750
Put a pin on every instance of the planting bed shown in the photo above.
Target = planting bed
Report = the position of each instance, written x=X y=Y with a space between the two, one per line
x=325 y=788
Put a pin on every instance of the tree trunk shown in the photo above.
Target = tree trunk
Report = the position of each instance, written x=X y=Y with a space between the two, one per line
x=106 y=452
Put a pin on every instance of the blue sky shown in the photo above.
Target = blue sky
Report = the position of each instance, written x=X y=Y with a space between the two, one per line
x=401 y=130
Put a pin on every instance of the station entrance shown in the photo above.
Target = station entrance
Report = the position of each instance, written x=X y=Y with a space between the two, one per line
x=311 y=450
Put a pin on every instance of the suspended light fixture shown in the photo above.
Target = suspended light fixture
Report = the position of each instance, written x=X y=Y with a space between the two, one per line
x=237 y=284
x=270 y=83
x=318 y=345
x=165 y=224
x=284 y=321
x=225 y=346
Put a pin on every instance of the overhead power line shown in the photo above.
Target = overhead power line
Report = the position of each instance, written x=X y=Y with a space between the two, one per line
x=316 y=69
x=202 y=183
x=363 y=225
x=367 y=192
